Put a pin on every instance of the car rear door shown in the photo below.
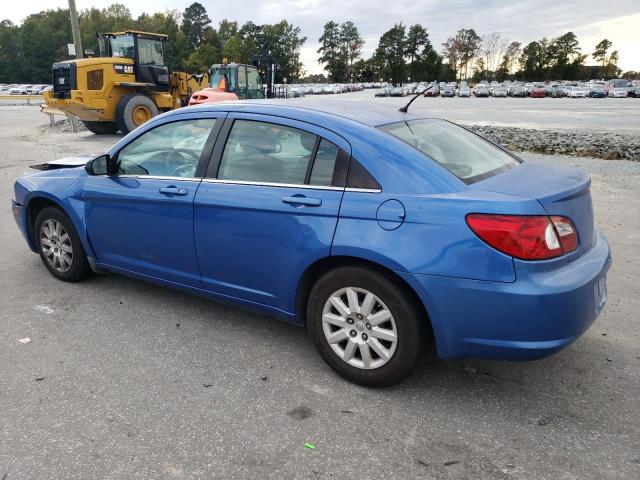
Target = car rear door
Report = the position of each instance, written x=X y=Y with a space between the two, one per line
x=141 y=220
x=268 y=207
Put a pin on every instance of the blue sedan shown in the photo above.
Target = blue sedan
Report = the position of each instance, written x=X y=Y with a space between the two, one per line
x=383 y=232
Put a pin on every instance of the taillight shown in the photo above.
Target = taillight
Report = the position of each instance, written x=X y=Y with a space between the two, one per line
x=526 y=237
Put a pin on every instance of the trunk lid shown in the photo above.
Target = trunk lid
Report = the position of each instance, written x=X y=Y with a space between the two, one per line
x=560 y=191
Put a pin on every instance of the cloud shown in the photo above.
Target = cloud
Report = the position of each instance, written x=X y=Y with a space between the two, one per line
x=521 y=20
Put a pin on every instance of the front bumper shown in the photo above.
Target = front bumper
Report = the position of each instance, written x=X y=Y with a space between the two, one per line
x=542 y=312
x=20 y=216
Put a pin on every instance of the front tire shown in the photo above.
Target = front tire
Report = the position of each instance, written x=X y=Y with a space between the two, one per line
x=59 y=246
x=101 y=128
x=366 y=327
x=133 y=110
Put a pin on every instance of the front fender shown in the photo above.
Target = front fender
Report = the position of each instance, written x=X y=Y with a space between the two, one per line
x=67 y=195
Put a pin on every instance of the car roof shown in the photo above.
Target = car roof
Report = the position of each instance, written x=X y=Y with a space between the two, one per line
x=369 y=114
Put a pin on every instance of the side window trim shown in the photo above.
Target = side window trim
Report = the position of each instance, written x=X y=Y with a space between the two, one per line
x=218 y=149
x=341 y=169
x=207 y=151
x=312 y=160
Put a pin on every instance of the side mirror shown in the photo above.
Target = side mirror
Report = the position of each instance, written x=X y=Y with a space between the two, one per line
x=102 y=165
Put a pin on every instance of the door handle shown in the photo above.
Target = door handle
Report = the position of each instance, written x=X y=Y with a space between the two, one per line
x=171 y=190
x=295 y=200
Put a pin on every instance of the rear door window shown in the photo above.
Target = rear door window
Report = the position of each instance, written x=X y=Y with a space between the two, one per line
x=267 y=153
x=463 y=153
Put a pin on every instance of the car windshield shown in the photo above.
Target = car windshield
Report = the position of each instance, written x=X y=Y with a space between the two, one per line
x=466 y=155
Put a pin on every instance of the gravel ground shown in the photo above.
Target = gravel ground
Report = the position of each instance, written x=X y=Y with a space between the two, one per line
x=605 y=145
x=124 y=379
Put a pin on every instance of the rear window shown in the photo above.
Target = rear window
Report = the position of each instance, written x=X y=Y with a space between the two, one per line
x=466 y=155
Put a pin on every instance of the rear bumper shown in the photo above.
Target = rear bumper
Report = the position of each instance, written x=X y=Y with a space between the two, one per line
x=537 y=315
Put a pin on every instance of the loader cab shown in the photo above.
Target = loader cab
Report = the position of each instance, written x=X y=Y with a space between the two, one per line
x=147 y=52
x=243 y=80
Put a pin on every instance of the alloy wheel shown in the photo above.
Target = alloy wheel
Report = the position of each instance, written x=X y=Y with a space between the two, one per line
x=56 y=245
x=359 y=328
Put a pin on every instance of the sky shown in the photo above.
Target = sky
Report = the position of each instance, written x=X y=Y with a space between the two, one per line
x=517 y=20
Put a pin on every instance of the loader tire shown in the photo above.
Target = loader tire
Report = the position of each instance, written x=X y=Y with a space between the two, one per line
x=133 y=110
x=101 y=128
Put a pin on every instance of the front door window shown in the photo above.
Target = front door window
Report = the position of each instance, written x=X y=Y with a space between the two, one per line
x=170 y=150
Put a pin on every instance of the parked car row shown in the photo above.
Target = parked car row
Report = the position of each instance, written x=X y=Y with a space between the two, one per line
x=18 y=89
x=302 y=89
x=593 y=89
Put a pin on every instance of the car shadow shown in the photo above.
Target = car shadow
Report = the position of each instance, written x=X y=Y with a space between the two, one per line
x=539 y=392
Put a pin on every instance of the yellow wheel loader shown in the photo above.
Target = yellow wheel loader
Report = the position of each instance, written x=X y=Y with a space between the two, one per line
x=123 y=88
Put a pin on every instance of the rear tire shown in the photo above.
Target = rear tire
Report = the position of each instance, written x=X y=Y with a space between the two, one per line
x=133 y=110
x=59 y=245
x=101 y=128
x=361 y=330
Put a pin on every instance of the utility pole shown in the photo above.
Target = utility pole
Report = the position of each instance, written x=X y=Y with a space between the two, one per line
x=75 y=28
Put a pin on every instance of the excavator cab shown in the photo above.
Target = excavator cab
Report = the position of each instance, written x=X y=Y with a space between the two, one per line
x=230 y=81
x=147 y=52
x=242 y=80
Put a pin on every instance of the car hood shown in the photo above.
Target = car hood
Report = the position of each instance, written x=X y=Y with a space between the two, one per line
x=67 y=162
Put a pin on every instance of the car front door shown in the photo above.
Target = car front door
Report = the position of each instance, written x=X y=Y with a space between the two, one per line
x=268 y=207
x=141 y=219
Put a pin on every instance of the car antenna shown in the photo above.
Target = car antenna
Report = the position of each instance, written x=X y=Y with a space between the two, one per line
x=406 y=107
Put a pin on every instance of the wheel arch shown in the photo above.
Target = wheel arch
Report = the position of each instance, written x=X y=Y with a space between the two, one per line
x=326 y=264
x=37 y=202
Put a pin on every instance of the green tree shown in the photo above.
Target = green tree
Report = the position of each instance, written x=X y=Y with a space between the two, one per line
x=390 y=54
x=238 y=49
x=469 y=43
x=564 y=57
x=226 y=30
x=340 y=48
x=430 y=64
x=533 y=60
x=331 y=54
x=352 y=44
x=314 y=78
x=461 y=51
x=194 y=24
x=609 y=62
x=208 y=53
x=11 y=55
x=43 y=38
x=284 y=42
x=416 y=41
x=510 y=57
x=451 y=51
x=600 y=53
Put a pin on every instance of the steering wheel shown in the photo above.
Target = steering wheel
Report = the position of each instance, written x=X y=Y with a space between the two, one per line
x=184 y=163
